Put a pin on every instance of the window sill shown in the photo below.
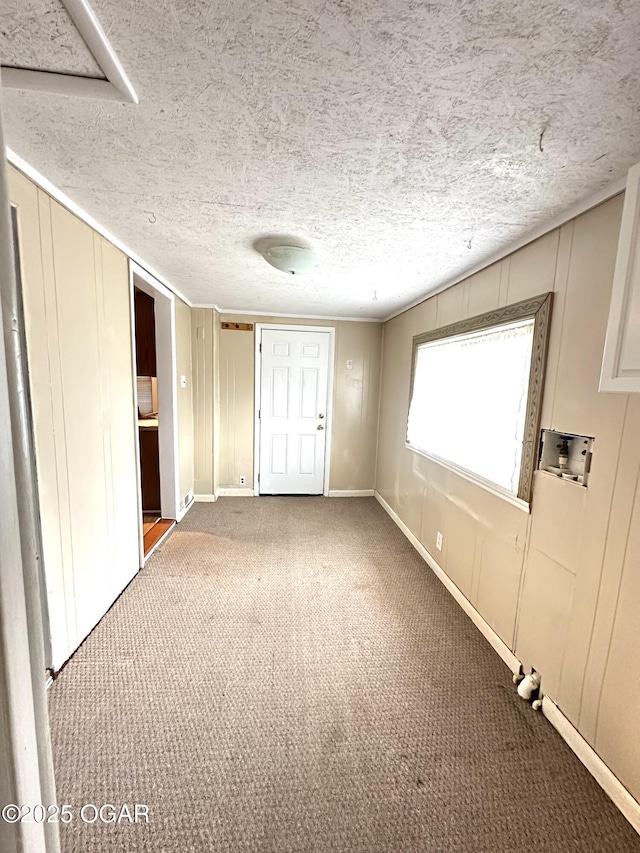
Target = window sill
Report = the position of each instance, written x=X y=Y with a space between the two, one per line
x=487 y=485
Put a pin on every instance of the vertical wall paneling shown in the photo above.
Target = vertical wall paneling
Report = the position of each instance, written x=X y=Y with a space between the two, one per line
x=185 y=399
x=577 y=399
x=203 y=342
x=37 y=270
x=215 y=398
x=532 y=269
x=616 y=557
x=483 y=291
x=236 y=407
x=617 y=724
x=76 y=299
x=103 y=381
x=559 y=585
x=120 y=422
x=355 y=402
x=60 y=575
x=82 y=403
x=451 y=305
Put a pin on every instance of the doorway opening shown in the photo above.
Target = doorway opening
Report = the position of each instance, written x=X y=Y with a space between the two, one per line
x=153 y=330
x=293 y=409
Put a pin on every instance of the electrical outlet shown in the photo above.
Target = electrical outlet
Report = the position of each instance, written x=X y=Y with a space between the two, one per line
x=243 y=480
x=349 y=364
x=439 y=541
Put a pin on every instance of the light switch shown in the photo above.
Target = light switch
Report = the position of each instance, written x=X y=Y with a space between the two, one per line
x=183 y=381
x=349 y=364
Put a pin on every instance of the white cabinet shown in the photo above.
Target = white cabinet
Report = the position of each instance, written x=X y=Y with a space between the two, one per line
x=621 y=363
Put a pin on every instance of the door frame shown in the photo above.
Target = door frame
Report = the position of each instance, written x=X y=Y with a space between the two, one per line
x=165 y=317
x=257 y=388
x=27 y=775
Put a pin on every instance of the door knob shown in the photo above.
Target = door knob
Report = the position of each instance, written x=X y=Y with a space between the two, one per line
x=320 y=416
x=320 y=426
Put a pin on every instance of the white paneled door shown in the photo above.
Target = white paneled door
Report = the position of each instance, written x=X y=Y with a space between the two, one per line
x=293 y=411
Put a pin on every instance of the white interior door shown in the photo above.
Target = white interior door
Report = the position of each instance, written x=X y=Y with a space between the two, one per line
x=293 y=411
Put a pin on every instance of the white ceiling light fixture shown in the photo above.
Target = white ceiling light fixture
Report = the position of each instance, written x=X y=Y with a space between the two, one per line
x=295 y=260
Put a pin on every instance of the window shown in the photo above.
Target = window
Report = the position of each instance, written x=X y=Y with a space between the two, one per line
x=476 y=390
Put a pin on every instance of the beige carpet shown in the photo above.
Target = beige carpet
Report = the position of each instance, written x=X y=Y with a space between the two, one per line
x=287 y=676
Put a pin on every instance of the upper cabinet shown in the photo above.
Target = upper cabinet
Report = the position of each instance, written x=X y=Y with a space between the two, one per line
x=145 y=334
x=621 y=363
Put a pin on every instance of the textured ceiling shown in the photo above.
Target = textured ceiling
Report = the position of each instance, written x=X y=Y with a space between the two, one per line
x=40 y=35
x=393 y=136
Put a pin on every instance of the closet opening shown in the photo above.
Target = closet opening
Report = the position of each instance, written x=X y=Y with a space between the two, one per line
x=153 y=329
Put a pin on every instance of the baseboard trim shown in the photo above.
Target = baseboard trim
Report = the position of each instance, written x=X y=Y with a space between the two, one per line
x=235 y=493
x=481 y=624
x=351 y=493
x=204 y=499
x=609 y=783
x=185 y=510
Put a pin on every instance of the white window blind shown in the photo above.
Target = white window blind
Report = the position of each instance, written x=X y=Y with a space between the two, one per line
x=469 y=400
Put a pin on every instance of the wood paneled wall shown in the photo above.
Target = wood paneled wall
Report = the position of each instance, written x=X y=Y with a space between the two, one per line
x=560 y=585
x=78 y=324
x=204 y=333
x=355 y=399
x=185 y=399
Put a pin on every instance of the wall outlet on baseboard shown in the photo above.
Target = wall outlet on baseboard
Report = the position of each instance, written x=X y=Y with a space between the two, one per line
x=439 y=541
x=243 y=480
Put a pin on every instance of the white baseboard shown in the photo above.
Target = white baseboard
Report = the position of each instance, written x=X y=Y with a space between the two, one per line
x=351 y=493
x=244 y=492
x=481 y=624
x=185 y=510
x=610 y=784
x=205 y=499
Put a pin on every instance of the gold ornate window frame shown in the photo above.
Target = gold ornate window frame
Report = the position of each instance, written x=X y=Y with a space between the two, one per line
x=538 y=309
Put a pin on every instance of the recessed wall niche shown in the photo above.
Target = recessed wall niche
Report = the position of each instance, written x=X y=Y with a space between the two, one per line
x=566 y=455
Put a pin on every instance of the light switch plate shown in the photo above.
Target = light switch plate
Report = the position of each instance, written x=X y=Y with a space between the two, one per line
x=183 y=381
x=439 y=541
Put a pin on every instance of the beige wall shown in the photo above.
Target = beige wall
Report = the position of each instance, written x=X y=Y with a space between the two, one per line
x=560 y=586
x=204 y=343
x=185 y=399
x=78 y=323
x=78 y=326
x=355 y=400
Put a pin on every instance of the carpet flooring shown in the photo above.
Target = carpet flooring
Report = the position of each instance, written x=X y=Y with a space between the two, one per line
x=286 y=675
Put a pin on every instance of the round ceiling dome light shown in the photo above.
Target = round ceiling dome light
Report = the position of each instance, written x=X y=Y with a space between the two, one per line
x=295 y=260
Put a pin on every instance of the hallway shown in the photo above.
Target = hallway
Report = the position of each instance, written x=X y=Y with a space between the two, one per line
x=286 y=674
